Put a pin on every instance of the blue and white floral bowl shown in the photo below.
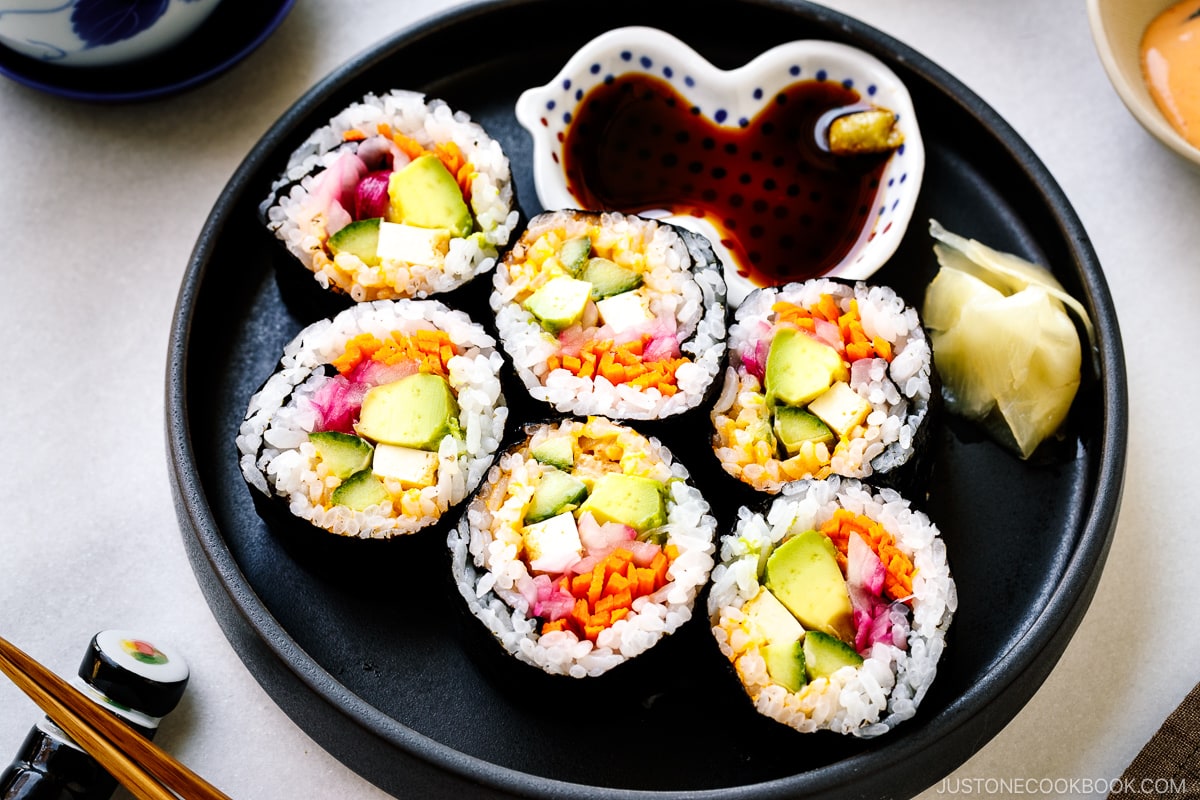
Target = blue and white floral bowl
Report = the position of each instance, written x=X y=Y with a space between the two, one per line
x=731 y=98
x=96 y=33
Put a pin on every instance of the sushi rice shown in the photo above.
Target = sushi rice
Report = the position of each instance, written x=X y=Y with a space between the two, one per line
x=897 y=668
x=897 y=384
x=279 y=460
x=520 y=605
x=303 y=208
x=684 y=341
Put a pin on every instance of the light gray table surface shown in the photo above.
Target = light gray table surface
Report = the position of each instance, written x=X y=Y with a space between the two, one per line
x=100 y=210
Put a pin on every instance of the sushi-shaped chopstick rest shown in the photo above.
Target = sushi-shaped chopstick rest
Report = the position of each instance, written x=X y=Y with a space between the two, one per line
x=121 y=673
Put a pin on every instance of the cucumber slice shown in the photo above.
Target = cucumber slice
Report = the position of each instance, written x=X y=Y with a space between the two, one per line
x=795 y=426
x=361 y=491
x=345 y=453
x=608 y=278
x=786 y=663
x=825 y=655
x=556 y=452
x=556 y=492
x=574 y=253
x=360 y=238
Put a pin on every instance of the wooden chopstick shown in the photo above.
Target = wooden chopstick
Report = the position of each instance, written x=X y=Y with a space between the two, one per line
x=137 y=763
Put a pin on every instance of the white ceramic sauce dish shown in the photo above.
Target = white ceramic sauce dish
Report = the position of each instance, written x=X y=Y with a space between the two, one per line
x=732 y=99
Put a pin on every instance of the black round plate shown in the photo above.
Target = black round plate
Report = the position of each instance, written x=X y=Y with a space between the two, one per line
x=363 y=643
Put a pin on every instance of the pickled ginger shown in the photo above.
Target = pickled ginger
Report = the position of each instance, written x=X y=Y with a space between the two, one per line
x=1007 y=350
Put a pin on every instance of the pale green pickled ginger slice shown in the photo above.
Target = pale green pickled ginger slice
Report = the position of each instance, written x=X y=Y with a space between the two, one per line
x=1007 y=351
x=1006 y=272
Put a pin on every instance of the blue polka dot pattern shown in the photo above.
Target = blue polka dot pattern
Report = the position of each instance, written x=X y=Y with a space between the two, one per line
x=665 y=58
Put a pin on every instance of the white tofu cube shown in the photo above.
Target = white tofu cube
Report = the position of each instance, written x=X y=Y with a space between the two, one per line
x=414 y=469
x=841 y=408
x=624 y=311
x=412 y=245
x=553 y=544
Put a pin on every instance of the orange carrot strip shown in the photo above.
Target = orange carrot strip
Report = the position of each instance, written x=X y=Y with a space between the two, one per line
x=645 y=580
x=554 y=625
x=353 y=135
x=883 y=347
x=616 y=582
x=596 y=586
x=622 y=599
x=828 y=308
x=857 y=350
x=658 y=565
x=588 y=369
x=358 y=349
x=409 y=146
x=617 y=560
x=619 y=614
x=579 y=613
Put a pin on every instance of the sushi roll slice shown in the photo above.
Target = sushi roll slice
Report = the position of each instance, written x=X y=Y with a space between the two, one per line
x=377 y=421
x=833 y=605
x=825 y=377
x=585 y=545
x=612 y=314
x=398 y=196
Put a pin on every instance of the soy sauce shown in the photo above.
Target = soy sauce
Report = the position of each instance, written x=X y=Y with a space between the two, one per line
x=787 y=210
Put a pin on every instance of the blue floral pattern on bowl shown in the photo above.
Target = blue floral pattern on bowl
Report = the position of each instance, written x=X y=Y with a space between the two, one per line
x=99 y=32
x=731 y=98
x=101 y=22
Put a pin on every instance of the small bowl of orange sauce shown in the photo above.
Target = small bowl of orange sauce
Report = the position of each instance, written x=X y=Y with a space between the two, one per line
x=806 y=161
x=1151 y=52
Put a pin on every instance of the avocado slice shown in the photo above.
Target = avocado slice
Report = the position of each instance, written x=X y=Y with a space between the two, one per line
x=574 y=253
x=425 y=194
x=360 y=238
x=417 y=411
x=556 y=492
x=799 y=368
x=628 y=499
x=608 y=278
x=559 y=303
x=795 y=426
x=825 y=655
x=360 y=491
x=345 y=453
x=557 y=451
x=804 y=574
